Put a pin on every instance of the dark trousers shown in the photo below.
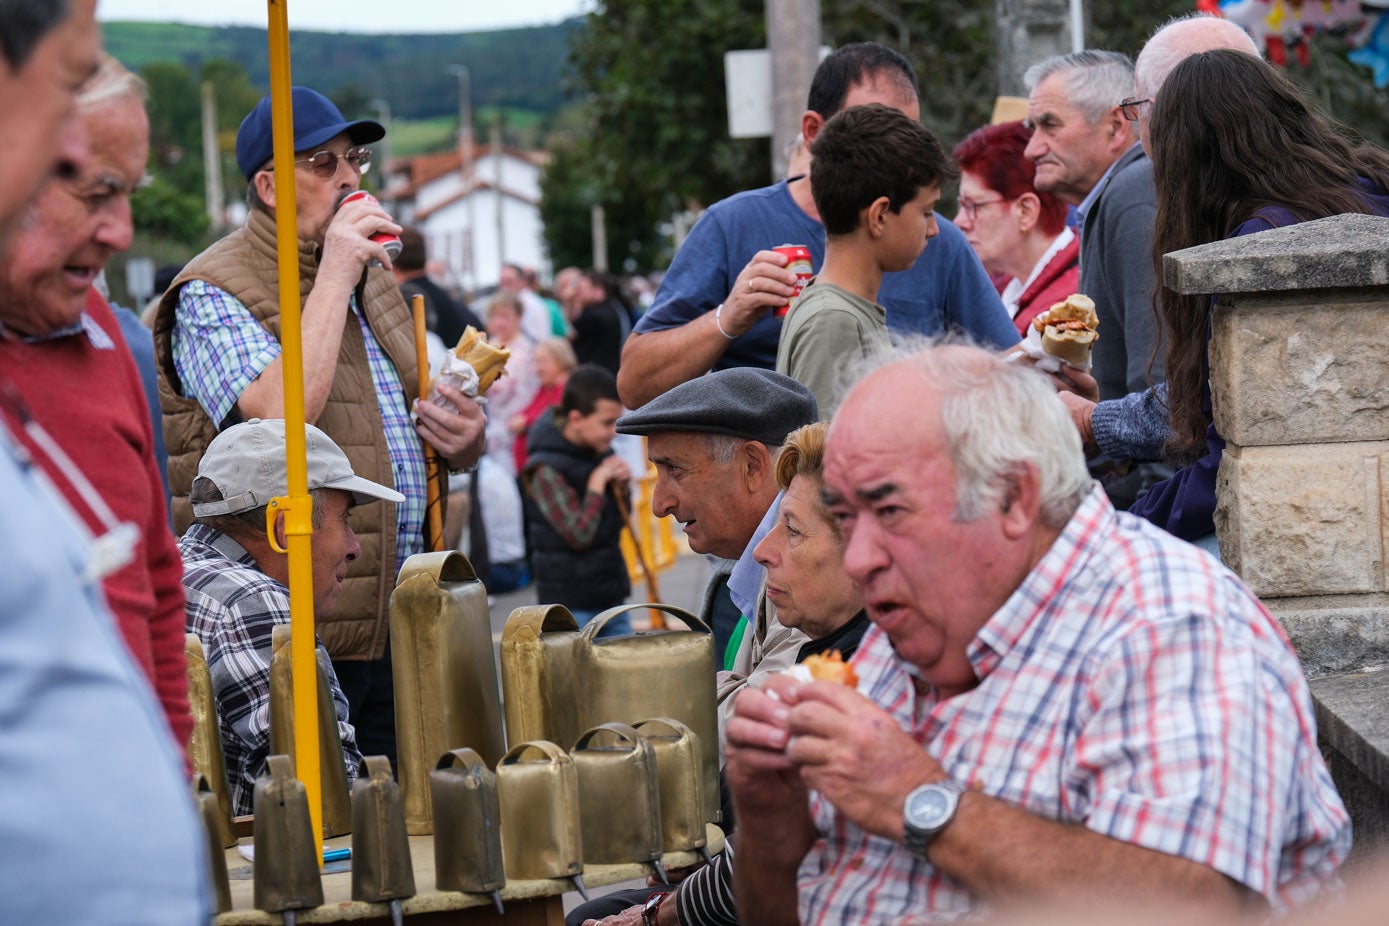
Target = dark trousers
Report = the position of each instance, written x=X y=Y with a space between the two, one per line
x=370 y=691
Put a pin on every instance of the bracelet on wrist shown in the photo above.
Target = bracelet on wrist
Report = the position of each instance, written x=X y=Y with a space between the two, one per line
x=718 y=323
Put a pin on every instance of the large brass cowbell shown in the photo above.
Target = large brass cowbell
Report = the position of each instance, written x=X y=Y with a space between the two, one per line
x=446 y=694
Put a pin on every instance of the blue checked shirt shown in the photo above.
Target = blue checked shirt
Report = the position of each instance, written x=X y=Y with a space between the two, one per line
x=219 y=349
x=233 y=607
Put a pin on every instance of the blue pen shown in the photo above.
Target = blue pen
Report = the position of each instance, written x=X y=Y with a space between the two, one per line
x=336 y=855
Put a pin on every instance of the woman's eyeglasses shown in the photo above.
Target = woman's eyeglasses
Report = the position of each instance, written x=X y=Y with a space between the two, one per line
x=970 y=207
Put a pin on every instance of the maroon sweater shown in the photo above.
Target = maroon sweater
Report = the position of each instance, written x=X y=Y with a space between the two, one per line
x=91 y=404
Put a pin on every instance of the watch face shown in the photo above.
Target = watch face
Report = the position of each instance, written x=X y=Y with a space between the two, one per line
x=928 y=807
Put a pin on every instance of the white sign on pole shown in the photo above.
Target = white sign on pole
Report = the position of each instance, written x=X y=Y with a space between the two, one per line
x=748 y=79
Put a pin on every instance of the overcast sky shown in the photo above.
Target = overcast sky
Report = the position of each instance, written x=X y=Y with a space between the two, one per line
x=353 y=15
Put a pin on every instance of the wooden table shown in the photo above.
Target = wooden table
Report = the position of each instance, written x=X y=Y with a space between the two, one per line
x=528 y=903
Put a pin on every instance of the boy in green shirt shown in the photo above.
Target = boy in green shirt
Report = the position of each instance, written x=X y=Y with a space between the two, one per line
x=876 y=176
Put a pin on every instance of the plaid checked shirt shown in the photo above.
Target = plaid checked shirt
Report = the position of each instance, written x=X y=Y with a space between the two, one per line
x=233 y=607
x=219 y=349
x=1130 y=684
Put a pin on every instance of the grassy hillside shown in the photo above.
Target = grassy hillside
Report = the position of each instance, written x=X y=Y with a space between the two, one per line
x=512 y=69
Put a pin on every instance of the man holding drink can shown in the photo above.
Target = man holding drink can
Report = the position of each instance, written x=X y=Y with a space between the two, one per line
x=716 y=304
x=217 y=338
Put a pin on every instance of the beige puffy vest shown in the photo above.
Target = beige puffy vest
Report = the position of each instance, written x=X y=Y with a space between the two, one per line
x=244 y=265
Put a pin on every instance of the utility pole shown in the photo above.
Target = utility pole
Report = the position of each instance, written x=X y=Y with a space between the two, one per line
x=465 y=166
x=498 y=198
x=212 y=160
x=793 y=40
x=1030 y=30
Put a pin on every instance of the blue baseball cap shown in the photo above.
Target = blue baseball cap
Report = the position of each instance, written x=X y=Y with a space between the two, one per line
x=316 y=120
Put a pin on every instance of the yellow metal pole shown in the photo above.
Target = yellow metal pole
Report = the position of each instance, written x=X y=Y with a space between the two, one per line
x=298 y=507
x=434 y=507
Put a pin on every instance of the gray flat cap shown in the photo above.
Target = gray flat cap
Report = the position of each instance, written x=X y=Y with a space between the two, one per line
x=743 y=402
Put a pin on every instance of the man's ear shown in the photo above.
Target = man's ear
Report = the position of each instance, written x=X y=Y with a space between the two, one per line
x=811 y=124
x=1122 y=132
x=264 y=181
x=280 y=536
x=1020 y=503
x=756 y=464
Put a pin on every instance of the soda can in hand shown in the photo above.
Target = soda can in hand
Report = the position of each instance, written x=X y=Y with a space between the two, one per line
x=798 y=262
x=384 y=238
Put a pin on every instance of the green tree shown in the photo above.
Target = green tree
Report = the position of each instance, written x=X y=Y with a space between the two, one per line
x=649 y=78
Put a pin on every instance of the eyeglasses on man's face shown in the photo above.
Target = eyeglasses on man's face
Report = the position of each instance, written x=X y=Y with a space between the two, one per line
x=1131 y=107
x=324 y=163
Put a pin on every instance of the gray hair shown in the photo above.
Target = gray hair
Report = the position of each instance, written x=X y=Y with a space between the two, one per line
x=111 y=80
x=239 y=525
x=1096 y=80
x=722 y=448
x=23 y=25
x=998 y=417
x=1178 y=39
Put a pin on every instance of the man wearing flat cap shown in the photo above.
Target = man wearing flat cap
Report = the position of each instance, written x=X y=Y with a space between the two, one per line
x=714 y=441
x=238 y=585
x=217 y=336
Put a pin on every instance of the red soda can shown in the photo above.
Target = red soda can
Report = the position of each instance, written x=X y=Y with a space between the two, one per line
x=798 y=262
x=387 y=240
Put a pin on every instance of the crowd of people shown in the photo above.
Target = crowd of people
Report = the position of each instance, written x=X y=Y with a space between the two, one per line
x=1063 y=695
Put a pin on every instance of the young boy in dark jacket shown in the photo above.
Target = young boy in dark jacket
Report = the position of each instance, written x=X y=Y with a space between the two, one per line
x=571 y=480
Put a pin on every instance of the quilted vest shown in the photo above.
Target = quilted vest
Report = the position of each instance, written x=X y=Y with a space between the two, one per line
x=244 y=265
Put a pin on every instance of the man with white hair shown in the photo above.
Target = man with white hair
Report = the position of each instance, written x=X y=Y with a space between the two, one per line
x=1087 y=154
x=1057 y=702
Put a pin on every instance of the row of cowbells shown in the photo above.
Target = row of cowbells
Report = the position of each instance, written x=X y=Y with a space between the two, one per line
x=621 y=796
x=560 y=684
x=558 y=681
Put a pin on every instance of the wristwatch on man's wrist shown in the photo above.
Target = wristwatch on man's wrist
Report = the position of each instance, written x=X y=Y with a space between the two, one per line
x=653 y=907
x=927 y=811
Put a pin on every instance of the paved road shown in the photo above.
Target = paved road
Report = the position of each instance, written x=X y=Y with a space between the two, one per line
x=681 y=585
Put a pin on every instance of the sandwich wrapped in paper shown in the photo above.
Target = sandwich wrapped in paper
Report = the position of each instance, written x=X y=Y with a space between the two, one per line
x=1069 y=330
x=1062 y=336
x=471 y=367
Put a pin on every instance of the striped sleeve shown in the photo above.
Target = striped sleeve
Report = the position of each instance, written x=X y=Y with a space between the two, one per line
x=705 y=898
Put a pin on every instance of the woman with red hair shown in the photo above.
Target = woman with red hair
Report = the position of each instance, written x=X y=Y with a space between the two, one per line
x=1019 y=233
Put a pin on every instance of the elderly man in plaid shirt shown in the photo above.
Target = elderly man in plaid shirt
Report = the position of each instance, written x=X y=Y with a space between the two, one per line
x=1058 y=702
x=237 y=584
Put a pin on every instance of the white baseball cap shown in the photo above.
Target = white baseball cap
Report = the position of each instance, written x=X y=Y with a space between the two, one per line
x=247 y=464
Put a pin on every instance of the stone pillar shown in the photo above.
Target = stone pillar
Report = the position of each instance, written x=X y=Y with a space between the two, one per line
x=1299 y=372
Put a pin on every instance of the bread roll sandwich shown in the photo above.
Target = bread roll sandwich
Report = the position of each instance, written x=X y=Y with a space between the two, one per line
x=1068 y=329
x=487 y=359
x=831 y=667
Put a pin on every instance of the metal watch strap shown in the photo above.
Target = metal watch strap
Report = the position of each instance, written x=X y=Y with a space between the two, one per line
x=916 y=840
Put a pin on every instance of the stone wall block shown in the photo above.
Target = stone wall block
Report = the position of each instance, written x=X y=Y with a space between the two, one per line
x=1334 y=639
x=1303 y=520
x=1296 y=368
